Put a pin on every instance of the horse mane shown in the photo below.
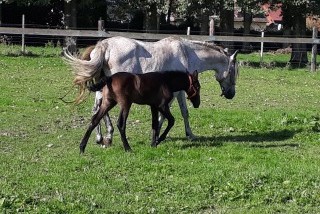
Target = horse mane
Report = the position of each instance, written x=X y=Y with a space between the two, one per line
x=207 y=44
x=196 y=43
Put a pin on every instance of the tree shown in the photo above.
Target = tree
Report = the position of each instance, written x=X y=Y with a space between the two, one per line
x=294 y=14
x=198 y=11
x=249 y=8
x=299 y=51
x=227 y=21
x=151 y=10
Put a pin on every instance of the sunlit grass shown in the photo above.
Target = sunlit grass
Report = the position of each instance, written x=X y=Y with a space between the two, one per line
x=256 y=153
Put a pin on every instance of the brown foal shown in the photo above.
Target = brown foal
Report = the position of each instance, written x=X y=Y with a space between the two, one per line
x=154 y=89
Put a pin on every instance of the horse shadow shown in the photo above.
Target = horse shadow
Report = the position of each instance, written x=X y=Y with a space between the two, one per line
x=257 y=140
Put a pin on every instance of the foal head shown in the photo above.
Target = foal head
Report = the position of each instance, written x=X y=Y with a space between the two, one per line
x=194 y=89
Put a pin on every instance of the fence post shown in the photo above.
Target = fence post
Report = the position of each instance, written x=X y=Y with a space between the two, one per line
x=100 y=25
x=188 y=31
x=211 y=26
x=261 y=48
x=314 y=50
x=23 y=42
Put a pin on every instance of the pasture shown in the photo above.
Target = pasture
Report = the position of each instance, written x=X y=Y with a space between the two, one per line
x=257 y=153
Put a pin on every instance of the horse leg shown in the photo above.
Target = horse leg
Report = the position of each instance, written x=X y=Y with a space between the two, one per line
x=108 y=140
x=155 y=125
x=96 y=107
x=167 y=114
x=122 y=120
x=185 y=114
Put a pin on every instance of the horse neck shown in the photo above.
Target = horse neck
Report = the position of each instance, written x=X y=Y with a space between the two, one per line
x=205 y=58
x=177 y=81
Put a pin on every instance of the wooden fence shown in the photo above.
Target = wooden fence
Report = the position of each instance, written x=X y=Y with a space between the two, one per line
x=150 y=36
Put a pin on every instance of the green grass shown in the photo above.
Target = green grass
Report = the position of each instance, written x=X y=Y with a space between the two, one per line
x=257 y=153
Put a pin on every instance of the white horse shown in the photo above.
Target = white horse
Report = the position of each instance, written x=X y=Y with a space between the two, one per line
x=120 y=54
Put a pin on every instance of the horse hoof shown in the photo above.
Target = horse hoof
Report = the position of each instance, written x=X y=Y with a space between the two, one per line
x=128 y=149
x=191 y=137
x=100 y=141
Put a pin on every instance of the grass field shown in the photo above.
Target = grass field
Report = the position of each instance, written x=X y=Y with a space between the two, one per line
x=257 y=153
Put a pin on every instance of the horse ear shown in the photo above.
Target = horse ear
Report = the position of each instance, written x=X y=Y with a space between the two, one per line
x=234 y=55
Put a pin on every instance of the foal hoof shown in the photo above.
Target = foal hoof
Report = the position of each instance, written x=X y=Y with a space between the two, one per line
x=107 y=142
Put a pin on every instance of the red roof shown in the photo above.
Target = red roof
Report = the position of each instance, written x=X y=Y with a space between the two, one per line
x=272 y=15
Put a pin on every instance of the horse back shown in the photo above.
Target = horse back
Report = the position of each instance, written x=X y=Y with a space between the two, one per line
x=134 y=56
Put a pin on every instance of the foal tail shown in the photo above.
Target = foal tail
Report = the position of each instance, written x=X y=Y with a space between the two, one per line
x=100 y=84
x=88 y=68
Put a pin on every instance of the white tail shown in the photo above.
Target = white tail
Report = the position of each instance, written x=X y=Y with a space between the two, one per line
x=86 y=70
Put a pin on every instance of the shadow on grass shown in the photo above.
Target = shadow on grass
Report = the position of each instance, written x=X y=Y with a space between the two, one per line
x=31 y=54
x=272 y=64
x=273 y=138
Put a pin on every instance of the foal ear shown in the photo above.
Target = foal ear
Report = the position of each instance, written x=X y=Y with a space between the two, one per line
x=195 y=74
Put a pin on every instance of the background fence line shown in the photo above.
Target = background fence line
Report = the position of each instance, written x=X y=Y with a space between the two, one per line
x=152 y=36
x=102 y=33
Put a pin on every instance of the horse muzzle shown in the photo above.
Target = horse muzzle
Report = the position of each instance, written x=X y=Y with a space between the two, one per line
x=229 y=93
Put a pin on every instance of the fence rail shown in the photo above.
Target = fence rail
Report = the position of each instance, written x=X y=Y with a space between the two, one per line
x=151 y=36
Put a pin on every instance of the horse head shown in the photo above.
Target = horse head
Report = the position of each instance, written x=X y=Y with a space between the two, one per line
x=194 y=89
x=227 y=78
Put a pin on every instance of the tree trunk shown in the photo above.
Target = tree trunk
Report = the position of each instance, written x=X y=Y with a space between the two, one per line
x=70 y=21
x=204 y=24
x=299 y=51
x=227 y=24
x=169 y=12
x=287 y=22
x=74 y=13
x=286 y=33
x=247 y=20
x=152 y=19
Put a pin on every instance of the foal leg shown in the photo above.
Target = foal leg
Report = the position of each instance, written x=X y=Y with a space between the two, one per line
x=185 y=114
x=155 y=130
x=94 y=122
x=122 y=120
x=167 y=114
x=161 y=117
